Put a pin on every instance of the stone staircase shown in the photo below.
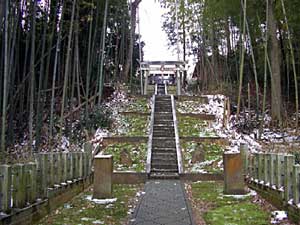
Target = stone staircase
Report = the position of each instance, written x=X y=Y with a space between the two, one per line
x=164 y=155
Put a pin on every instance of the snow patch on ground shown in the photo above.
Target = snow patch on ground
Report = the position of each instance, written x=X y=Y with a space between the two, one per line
x=278 y=216
x=101 y=201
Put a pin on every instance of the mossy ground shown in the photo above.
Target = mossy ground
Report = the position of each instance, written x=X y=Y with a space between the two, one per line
x=189 y=106
x=138 y=105
x=82 y=211
x=137 y=153
x=189 y=127
x=133 y=126
x=213 y=154
x=218 y=209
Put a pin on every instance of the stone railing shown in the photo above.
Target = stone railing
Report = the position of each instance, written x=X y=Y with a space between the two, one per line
x=24 y=184
x=274 y=171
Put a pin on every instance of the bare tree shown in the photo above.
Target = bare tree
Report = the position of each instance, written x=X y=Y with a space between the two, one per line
x=128 y=61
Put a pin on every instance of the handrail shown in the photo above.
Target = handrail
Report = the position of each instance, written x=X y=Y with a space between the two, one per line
x=178 y=149
x=149 y=151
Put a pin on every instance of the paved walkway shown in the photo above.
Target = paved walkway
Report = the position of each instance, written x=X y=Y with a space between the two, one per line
x=163 y=203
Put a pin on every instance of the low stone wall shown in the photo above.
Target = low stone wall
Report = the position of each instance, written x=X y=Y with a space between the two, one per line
x=116 y=140
x=216 y=140
x=129 y=178
x=201 y=177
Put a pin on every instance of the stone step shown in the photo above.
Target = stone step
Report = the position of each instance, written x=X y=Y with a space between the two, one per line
x=167 y=97
x=163 y=134
x=163 y=161
x=163 y=118
x=163 y=142
x=164 y=123
x=163 y=128
x=164 y=165
x=163 y=176
x=163 y=106
x=162 y=110
x=158 y=162
x=166 y=150
x=155 y=170
x=164 y=154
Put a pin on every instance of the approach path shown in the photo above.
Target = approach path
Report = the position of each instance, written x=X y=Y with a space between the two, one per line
x=164 y=201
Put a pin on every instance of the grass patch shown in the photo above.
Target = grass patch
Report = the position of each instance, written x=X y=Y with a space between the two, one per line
x=189 y=127
x=132 y=126
x=138 y=105
x=227 y=210
x=213 y=153
x=82 y=211
x=189 y=106
x=137 y=153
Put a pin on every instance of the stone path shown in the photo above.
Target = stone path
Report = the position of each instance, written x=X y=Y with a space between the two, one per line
x=163 y=203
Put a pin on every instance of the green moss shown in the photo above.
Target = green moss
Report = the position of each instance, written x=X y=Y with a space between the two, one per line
x=225 y=209
x=83 y=211
x=239 y=214
x=188 y=106
x=189 y=127
x=138 y=105
x=213 y=152
x=133 y=126
x=136 y=152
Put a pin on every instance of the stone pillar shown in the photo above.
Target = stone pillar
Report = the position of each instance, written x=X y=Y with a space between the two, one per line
x=178 y=74
x=233 y=174
x=146 y=82
x=103 y=170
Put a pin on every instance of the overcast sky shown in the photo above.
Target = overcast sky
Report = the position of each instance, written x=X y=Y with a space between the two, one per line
x=152 y=34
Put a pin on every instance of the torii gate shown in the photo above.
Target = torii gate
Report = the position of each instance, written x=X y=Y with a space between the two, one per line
x=162 y=68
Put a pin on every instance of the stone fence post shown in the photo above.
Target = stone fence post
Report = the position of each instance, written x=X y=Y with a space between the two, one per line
x=234 y=183
x=103 y=171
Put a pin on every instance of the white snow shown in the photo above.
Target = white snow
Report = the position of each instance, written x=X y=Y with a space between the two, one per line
x=101 y=201
x=278 y=216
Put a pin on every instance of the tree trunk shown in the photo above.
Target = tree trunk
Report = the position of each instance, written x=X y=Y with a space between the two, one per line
x=67 y=66
x=128 y=60
x=32 y=78
x=276 y=104
x=5 y=88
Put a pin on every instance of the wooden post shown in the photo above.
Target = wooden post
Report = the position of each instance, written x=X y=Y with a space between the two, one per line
x=71 y=165
x=84 y=164
x=80 y=164
x=266 y=168
x=296 y=183
x=19 y=186
x=261 y=167
x=289 y=162
x=59 y=171
x=50 y=170
x=278 y=171
x=256 y=165
x=272 y=169
x=33 y=181
x=30 y=181
x=5 y=188
x=65 y=166
x=244 y=154
x=103 y=176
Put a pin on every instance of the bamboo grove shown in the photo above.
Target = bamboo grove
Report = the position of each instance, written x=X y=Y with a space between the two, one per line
x=243 y=47
x=55 y=57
